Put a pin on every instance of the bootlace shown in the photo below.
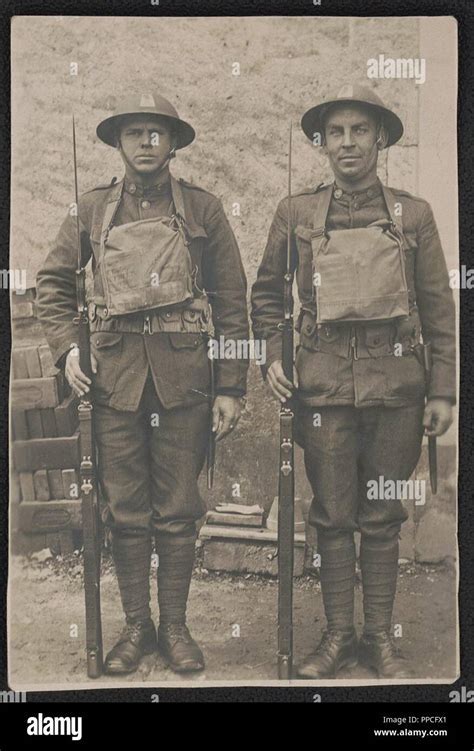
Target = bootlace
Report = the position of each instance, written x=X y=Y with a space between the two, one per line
x=133 y=632
x=388 y=643
x=327 y=638
x=395 y=651
x=176 y=631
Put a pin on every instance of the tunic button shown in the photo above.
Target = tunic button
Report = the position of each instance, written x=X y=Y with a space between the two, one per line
x=338 y=193
x=356 y=206
x=168 y=314
x=132 y=188
x=145 y=204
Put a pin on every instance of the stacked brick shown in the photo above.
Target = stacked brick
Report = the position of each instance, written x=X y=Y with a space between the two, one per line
x=45 y=505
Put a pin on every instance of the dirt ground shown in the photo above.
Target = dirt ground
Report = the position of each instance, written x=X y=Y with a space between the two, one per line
x=44 y=652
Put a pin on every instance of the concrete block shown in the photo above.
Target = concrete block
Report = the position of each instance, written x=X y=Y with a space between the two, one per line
x=435 y=538
x=41 y=393
x=25 y=544
x=240 y=556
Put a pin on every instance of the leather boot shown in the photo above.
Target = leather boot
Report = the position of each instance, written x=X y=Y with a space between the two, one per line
x=179 y=649
x=136 y=640
x=336 y=650
x=378 y=652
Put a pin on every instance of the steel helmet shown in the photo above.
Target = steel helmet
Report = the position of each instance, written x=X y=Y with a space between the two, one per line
x=145 y=104
x=312 y=120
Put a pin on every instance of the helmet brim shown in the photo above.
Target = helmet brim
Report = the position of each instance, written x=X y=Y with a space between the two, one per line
x=311 y=122
x=107 y=129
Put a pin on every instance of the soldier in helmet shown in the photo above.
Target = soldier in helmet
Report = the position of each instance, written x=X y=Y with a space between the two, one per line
x=372 y=283
x=162 y=254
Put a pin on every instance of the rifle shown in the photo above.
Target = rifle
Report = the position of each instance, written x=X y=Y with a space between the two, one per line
x=87 y=468
x=286 y=485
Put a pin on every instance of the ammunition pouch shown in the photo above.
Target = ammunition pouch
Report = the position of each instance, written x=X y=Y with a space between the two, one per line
x=192 y=319
x=361 y=340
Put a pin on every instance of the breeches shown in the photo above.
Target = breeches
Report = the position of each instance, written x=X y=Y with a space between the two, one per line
x=149 y=464
x=350 y=448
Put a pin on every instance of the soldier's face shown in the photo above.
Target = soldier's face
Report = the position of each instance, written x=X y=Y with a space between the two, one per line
x=145 y=143
x=351 y=142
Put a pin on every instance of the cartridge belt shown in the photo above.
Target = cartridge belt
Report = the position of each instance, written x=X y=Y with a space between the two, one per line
x=359 y=341
x=193 y=319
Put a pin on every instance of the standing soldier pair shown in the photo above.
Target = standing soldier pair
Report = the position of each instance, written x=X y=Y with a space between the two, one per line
x=163 y=256
x=372 y=282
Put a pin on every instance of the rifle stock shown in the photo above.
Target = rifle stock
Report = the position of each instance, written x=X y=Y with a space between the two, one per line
x=87 y=468
x=286 y=484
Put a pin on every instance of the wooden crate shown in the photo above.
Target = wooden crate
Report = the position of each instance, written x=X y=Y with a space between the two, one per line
x=45 y=509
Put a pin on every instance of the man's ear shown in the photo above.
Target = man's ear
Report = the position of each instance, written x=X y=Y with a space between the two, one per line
x=118 y=144
x=323 y=146
x=174 y=146
x=382 y=137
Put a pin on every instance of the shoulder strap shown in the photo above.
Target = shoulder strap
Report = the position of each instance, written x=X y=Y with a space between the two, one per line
x=321 y=213
x=109 y=214
x=390 y=202
x=111 y=208
x=177 y=193
x=397 y=220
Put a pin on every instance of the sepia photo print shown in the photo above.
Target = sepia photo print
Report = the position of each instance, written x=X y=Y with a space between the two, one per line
x=234 y=283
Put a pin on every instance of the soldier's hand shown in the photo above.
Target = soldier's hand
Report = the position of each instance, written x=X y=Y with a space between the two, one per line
x=280 y=385
x=438 y=416
x=78 y=380
x=225 y=415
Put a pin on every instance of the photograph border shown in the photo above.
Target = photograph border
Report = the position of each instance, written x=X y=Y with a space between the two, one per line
x=415 y=692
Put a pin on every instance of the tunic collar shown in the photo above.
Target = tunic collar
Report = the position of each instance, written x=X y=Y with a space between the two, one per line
x=150 y=191
x=360 y=196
